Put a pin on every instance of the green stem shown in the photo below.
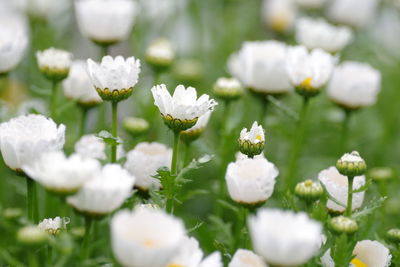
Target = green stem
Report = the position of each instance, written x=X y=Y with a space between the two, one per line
x=264 y=107
x=297 y=144
x=85 y=242
x=175 y=152
x=225 y=120
x=32 y=260
x=349 y=208
x=49 y=256
x=82 y=127
x=114 y=130
x=186 y=156
x=105 y=50
x=242 y=228
x=53 y=103
x=32 y=200
x=345 y=131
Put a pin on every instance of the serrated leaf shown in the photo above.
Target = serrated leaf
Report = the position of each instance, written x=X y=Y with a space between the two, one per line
x=193 y=165
x=364 y=187
x=374 y=204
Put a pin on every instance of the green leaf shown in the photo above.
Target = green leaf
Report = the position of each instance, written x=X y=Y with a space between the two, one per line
x=364 y=187
x=193 y=165
x=282 y=107
x=40 y=91
x=108 y=138
x=374 y=204
x=228 y=205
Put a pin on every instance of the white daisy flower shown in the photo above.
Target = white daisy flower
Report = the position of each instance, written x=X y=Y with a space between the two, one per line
x=317 y=33
x=251 y=181
x=105 y=21
x=104 y=193
x=252 y=142
x=24 y=138
x=144 y=161
x=54 y=63
x=337 y=184
x=57 y=173
x=311 y=4
x=92 y=146
x=279 y=15
x=145 y=237
x=79 y=87
x=261 y=67
x=354 y=85
x=284 y=238
x=42 y=9
x=53 y=225
x=189 y=254
x=246 y=258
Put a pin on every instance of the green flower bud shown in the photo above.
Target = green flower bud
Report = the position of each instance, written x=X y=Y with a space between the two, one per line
x=160 y=54
x=189 y=71
x=351 y=164
x=178 y=125
x=55 y=74
x=115 y=95
x=341 y=224
x=251 y=143
x=12 y=213
x=228 y=89
x=309 y=190
x=78 y=232
x=135 y=126
x=189 y=136
x=251 y=149
x=394 y=235
x=381 y=173
x=31 y=235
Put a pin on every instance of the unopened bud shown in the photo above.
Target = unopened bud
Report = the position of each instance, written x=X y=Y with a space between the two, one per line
x=343 y=224
x=351 y=164
x=309 y=190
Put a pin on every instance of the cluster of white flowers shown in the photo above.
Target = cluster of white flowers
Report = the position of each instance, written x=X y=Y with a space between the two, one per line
x=92 y=146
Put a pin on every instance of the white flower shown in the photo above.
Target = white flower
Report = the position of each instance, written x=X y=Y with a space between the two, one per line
x=356 y=13
x=189 y=254
x=13 y=41
x=60 y=174
x=284 y=238
x=261 y=66
x=160 y=53
x=311 y=3
x=144 y=161
x=24 y=138
x=53 y=226
x=43 y=8
x=228 y=88
x=53 y=61
x=104 y=193
x=251 y=181
x=212 y=260
x=354 y=85
x=317 y=33
x=279 y=15
x=145 y=237
x=255 y=135
x=246 y=258
x=336 y=184
x=114 y=75
x=105 y=21
x=367 y=253
x=184 y=104
x=78 y=85
x=309 y=70
x=92 y=146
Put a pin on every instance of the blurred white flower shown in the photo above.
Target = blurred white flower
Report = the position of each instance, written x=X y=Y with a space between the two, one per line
x=160 y=11
x=228 y=88
x=367 y=253
x=32 y=105
x=317 y=33
x=14 y=40
x=57 y=173
x=189 y=254
x=144 y=161
x=145 y=237
x=105 y=21
x=183 y=104
x=336 y=184
x=251 y=181
x=24 y=138
x=92 y=146
x=254 y=136
x=53 y=225
x=356 y=13
x=54 y=63
x=279 y=15
x=246 y=258
x=354 y=85
x=42 y=8
x=309 y=71
x=160 y=53
x=114 y=78
x=104 y=193
x=212 y=260
x=284 y=238
x=78 y=85
x=311 y=4
x=261 y=67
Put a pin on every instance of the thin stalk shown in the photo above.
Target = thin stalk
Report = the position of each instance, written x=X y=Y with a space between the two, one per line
x=186 y=156
x=175 y=152
x=242 y=228
x=32 y=200
x=349 y=196
x=53 y=103
x=32 y=260
x=225 y=119
x=82 y=127
x=49 y=256
x=114 y=130
x=345 y=131
x=85 y=242
x=105 y=50
x=297 y=144
x=264 y=108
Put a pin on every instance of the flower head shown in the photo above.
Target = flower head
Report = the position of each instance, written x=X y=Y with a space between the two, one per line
x=351 y=164
x=31 y=235
x=181 y=110
x=246 y=258
x=251 y=181
x=317 y=33
x=336 y=184
x=309 y=72
x=260 y=66
x=59 y=174
x=105 y=22
x=144 y=161
x=195 y=132
x=309 y=190
x=136 y=126
x=160 y=54
x=354 y=85
x=145 y=237
x=24 y=138
x=54 y=63
x=341 y=224
x=252 y=142
x=53 y=226
x=104 y=193
x=284 y=238
x=279 y=15
x=79 y=87
x=92 y=146
x=114 y=78
x=228 y=88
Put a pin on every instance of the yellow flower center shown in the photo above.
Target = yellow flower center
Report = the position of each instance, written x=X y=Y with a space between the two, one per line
x=306 y=84
x=258 y=137
x=308 y=183
x=357 y=263
x=149 y=243
x=279 y=23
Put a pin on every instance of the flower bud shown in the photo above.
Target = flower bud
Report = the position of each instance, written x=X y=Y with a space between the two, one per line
x=135 y=126
x=78 y=232
x=12 y=213
x=178 y=125
x=351 y=164
x=341 y=224
x=228 y=89
x=54 y=63
x=381 y=173
x=394 y=235
x=251 y=143
x=309 y=190
x=188 y=70
x=31 y=235
x=195 y=132
x=54 y=226
x=160 y=54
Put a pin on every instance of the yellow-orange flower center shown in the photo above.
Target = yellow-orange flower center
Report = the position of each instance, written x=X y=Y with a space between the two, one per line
x=258 y=137
x=358 y=263
x=307 y=83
